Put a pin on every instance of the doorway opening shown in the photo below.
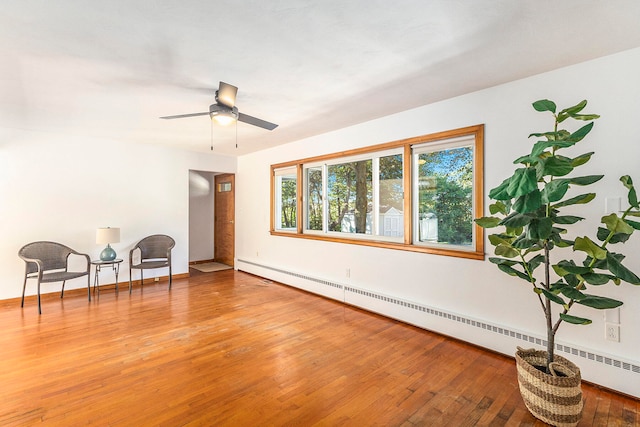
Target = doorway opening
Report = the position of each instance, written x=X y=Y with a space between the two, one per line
x=211 y=220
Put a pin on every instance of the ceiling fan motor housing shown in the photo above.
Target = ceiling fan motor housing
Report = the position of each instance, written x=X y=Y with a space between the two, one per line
x=218 y=109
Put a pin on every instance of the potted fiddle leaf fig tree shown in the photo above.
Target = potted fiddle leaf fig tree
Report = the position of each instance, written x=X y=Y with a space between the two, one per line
x=531 y=214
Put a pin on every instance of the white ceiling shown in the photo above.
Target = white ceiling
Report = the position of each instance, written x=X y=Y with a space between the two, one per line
x=110 y=68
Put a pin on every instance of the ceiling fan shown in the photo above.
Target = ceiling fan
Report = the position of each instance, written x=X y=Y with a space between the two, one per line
x=225 y=111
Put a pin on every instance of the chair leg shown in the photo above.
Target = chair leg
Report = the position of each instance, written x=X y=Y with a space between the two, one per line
x=129 y=280
x=62 y=293
x=89 y=286
x=24 y=287
x=39 y=305
x=170 y=276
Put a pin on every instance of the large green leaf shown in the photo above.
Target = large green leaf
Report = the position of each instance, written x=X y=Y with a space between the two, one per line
x=528 y=202
x=555 y=190
x=513 y=272
x=585 y=116
x=545 y=105
x=499 y=261
x=574 y=109
x=615 y=224
x=603 y=234
x=523 y=242
x=540 y=146
x=602 y=264
x=522 y=182
x=601 y=303
x=566 y=219
x=487 y=221
x=632 y=196
x=634 y=224
x=500 y=192
x=585 y=244
x=577 y=200
x=569 y=291
x=572 y=280
x=534 y=262
x=574 y=319
x=580 y=133
x=616 y=267
x=540 y=228
x=501 y=239
x=525 y=160
x=506 y=251
x=564 y=267
x=552 y=297
x=585 y=180
x=556 y=166
x=498 y=207
x=596 y=278
x=581 y=160
x=516 y=220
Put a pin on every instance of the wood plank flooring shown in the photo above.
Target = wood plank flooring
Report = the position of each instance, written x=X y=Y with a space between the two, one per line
x=232 y=349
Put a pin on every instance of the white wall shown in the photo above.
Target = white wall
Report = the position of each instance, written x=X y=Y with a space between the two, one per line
x=469 y=288
x=201 y=212
x=61 y=187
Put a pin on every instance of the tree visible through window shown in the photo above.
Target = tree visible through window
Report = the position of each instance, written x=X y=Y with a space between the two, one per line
x=286 y=199
x=445 y=196
x=314 y=198
x=350 y=197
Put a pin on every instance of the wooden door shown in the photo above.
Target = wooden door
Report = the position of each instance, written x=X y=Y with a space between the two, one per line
x=224 y=221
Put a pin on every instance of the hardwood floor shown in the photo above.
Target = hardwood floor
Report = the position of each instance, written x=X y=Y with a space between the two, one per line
x=231 y=349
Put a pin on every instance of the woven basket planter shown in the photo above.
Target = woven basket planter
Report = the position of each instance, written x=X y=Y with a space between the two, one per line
x=554 y=399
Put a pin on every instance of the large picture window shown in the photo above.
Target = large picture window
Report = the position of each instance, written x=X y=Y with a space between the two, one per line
x=420 y=194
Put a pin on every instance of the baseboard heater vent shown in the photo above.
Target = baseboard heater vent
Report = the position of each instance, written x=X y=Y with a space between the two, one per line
x=461 y=319
x=293 y=274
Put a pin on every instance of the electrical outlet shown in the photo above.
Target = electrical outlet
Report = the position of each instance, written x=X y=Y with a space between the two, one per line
x=156 y=279
x=612 y=332
x=348 y=272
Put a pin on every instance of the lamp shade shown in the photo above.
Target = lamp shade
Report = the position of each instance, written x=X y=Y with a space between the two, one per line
x=107 y=235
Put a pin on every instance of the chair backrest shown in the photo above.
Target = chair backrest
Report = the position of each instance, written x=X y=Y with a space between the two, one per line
x=156 y=246
x=52 y=255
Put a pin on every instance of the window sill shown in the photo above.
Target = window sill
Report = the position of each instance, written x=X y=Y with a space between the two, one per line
x=386 y=245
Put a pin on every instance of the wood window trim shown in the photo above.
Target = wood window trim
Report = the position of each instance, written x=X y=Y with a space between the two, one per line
x=477 y=253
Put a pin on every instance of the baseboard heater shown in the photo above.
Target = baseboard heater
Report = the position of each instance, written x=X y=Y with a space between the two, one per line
x=604 y=359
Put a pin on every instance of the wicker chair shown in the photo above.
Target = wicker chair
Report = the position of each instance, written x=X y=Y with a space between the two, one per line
x=155 y=252
x=48 y=262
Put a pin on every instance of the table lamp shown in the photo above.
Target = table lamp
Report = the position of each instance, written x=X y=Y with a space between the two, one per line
x=107 y=235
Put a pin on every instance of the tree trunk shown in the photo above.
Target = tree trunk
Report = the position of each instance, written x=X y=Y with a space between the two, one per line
x=547 y=311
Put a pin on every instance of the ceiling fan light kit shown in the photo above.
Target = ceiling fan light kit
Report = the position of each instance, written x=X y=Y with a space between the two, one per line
x=223 y=116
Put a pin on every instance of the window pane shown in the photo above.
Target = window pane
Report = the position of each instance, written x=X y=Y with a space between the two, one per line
x=286 y=206
x=314 y=198
x=445 y=196
x=350 y=197
x=390 y=197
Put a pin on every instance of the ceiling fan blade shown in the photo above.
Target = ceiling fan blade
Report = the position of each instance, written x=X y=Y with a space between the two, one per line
x=256 y=121
x=226 y=94
x=181 y=116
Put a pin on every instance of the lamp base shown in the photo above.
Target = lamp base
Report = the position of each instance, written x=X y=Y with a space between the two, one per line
x=107 y=254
